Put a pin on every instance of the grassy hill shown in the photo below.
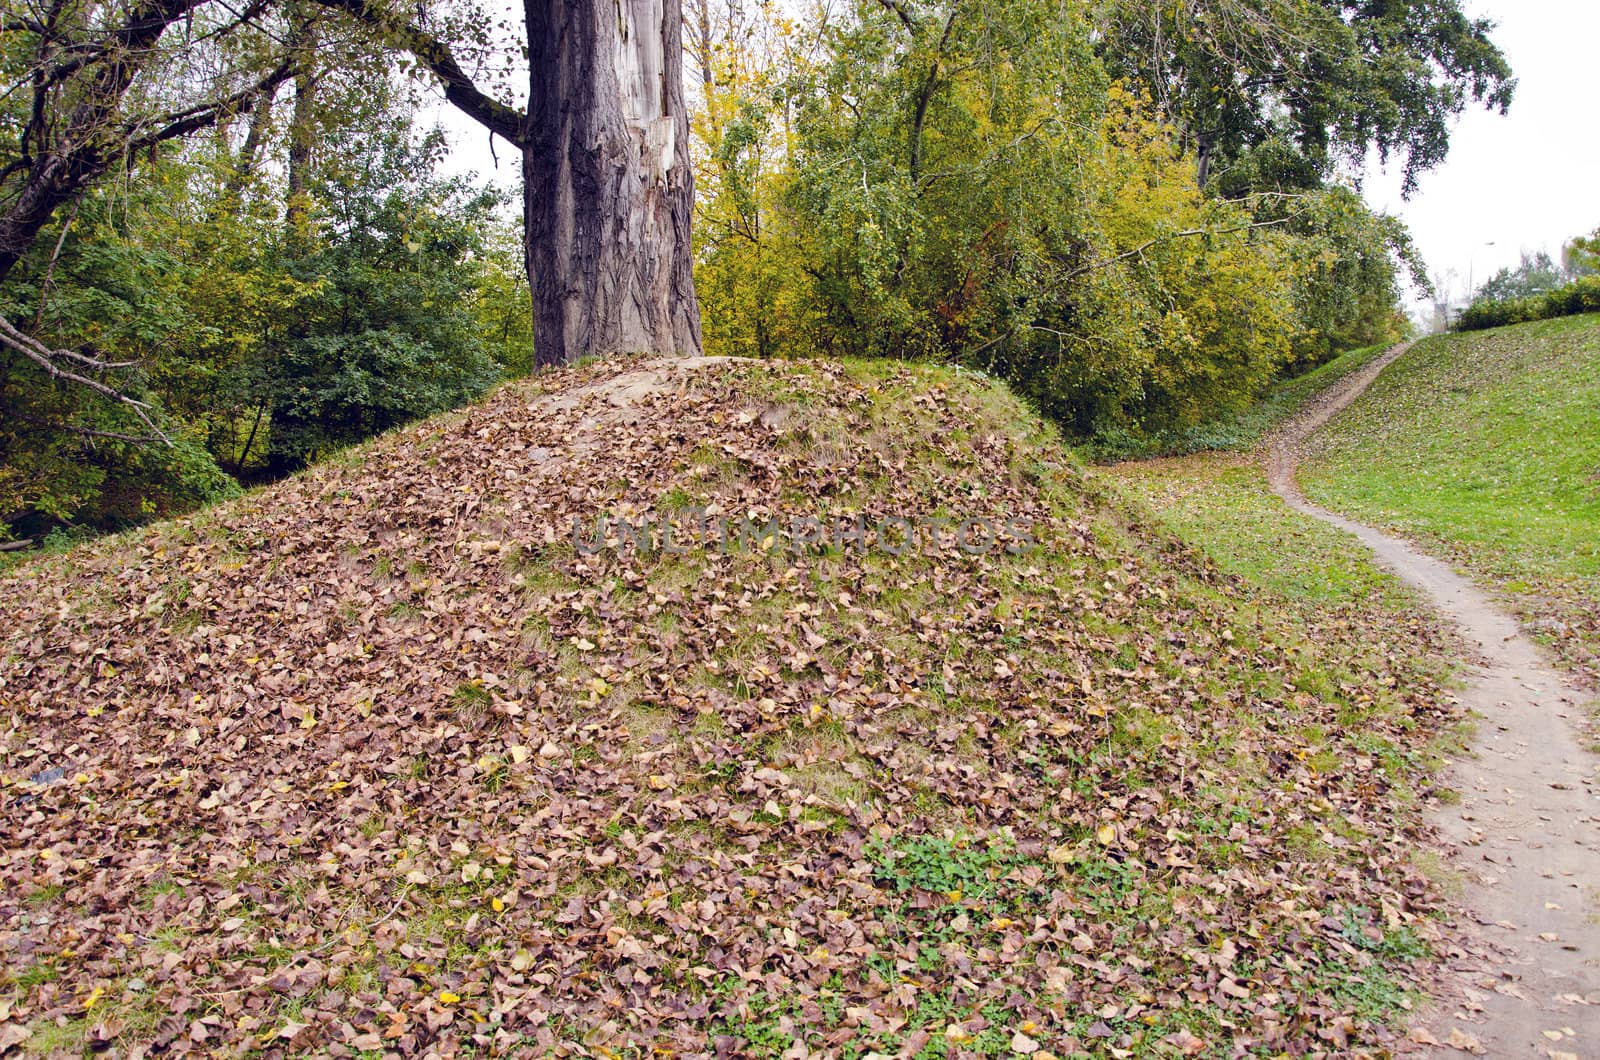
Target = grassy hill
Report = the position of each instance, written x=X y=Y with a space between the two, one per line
x=1486 y=446
x=381 y=758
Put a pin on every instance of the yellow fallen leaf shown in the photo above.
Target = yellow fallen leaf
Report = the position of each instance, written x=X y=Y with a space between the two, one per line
x=309 y=721
x=583 y=644
x=93 y=999
x=447 y=998
x=1107 y=834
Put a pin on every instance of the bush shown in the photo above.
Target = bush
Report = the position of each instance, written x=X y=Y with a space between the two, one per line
x=1580 y=296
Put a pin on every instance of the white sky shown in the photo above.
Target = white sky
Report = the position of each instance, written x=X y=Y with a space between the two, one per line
x=1527 y=181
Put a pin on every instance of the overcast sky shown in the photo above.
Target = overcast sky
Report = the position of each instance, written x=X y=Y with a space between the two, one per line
x=1529 y=180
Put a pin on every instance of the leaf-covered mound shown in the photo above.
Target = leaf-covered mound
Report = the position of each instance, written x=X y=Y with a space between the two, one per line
x=378 y=760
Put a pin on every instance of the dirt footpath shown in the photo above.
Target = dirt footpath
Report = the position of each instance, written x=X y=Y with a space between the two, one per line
x=1526 y=833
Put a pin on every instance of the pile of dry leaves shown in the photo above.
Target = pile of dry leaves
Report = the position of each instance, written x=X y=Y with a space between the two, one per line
x=378 y=762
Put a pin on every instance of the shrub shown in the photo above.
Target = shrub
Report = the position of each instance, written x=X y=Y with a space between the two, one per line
x=1580 y=296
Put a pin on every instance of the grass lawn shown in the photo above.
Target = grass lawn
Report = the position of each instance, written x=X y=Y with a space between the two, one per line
x=1486 y=447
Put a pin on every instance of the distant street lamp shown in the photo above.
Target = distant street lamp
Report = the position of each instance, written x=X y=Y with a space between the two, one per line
x=1472 y=263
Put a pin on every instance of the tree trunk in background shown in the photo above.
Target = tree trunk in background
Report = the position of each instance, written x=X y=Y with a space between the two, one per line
x=607 y=185
x=245 y=164
x=1206 y=151
x=302 y=135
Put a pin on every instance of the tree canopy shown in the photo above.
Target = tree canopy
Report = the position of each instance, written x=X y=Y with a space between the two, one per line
x=1285 y=89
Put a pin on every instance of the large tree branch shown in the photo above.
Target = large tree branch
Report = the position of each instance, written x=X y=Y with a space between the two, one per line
x=1187 y=233
x=901 y=12
x=50 y=360
x=436 y=55
x=181 y=123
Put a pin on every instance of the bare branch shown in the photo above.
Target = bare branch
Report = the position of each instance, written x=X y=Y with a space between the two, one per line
x=182 y=123
x=1187 y=233
x=50 y=360
x=436 y=55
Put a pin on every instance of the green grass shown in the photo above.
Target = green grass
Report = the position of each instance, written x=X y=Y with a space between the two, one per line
x=1486 y=447
x=1221 y=504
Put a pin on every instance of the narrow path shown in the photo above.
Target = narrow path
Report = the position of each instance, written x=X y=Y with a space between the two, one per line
x=1526 y=983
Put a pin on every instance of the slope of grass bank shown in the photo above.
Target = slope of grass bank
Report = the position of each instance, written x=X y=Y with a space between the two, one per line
x=382 y=759
x=1486 y=446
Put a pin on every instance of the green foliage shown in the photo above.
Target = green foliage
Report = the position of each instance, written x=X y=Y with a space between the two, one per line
x=961 y=866
x=1537 y=274
x=384 y=332
x=397 y=298
x=1580 y=296
x=1347 y=287
x=969 y=185
x=1581 y=257
x=1273 y=96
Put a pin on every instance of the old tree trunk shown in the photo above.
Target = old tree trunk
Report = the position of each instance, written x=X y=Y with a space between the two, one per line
x=607 y=184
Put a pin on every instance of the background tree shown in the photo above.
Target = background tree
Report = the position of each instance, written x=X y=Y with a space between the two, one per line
x=91 y=87
x=1537 y=273
x=1581 y=257
x=1303 y=84
x=967 y=182
x=257 y=344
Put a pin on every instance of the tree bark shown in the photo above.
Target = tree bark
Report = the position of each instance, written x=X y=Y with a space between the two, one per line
x=245 y=164
x=302 y=135
x=607 y=185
